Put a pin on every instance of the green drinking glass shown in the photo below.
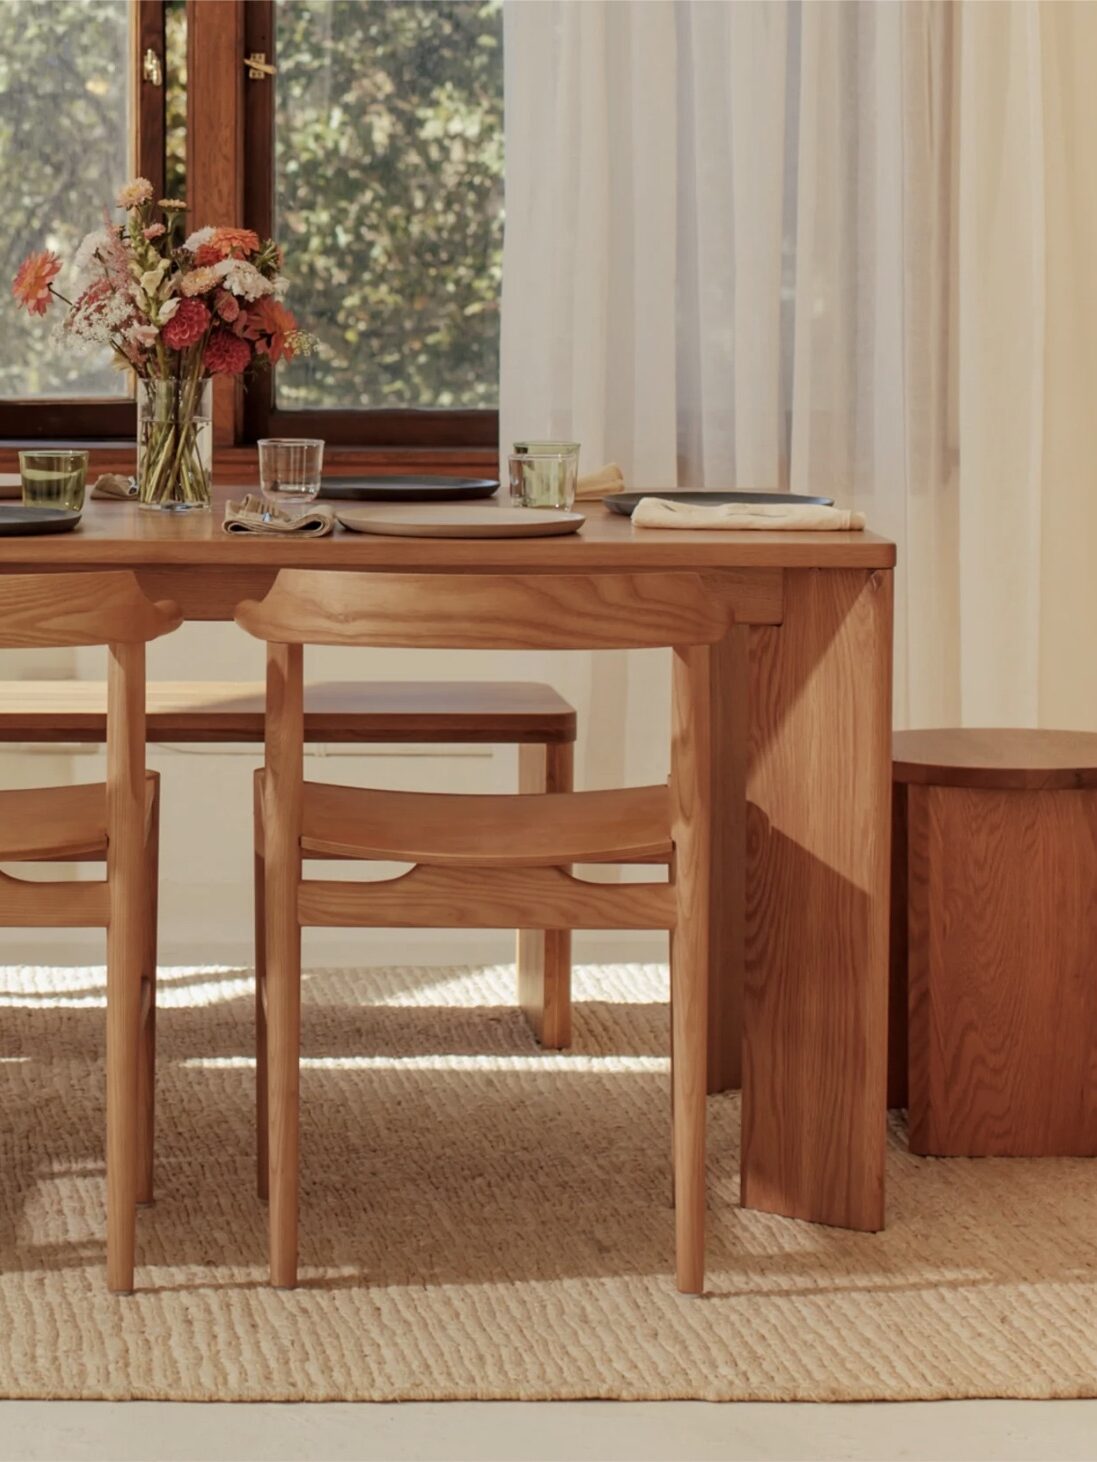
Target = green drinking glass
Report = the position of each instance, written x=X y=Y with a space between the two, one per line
x=54 y=479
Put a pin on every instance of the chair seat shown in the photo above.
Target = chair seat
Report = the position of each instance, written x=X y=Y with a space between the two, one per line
x=459 y=830
x=335 y=711
x=38 y=824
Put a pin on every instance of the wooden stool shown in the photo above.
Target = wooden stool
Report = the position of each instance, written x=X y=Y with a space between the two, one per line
x=994 y=942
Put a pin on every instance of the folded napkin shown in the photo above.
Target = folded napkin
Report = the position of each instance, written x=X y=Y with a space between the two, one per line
x=655 y=512
x=254 y=515
x=603 y=483
x=114 y=485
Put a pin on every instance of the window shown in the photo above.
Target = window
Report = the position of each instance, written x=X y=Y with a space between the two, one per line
x=376 y=159
x=72 y=125
x=374 y=154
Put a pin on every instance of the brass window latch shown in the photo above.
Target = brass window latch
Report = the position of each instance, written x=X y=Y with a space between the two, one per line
x=152 y=69
x=258 y=70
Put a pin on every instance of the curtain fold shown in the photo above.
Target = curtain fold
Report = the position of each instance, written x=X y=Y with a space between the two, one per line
x=840 y=248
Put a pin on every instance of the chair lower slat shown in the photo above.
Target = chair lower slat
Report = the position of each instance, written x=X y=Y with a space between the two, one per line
x=41 y=905
x=447 y=898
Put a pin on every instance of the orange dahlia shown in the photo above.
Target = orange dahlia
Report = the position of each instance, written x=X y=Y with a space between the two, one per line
x=269 y=324
x=31 y=285
x=227 y=243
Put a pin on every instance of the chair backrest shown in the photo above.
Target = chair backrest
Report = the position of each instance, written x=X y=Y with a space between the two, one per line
x=54 y=611
x=599 y=611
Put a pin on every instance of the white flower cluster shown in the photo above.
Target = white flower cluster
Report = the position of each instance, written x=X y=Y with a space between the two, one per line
x=243 y=279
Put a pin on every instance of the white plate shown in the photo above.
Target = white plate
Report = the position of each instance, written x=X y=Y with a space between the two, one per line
x=461 y=520
x=11 y=485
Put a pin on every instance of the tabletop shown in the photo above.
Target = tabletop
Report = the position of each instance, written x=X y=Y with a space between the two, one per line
x=119 y=534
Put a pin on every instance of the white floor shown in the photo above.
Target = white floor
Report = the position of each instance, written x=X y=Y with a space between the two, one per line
x=972 y=1431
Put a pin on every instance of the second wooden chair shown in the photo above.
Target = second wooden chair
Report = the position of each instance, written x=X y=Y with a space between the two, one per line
x=487 y=861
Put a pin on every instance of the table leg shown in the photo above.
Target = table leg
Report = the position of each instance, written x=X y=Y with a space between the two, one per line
x=817 y=896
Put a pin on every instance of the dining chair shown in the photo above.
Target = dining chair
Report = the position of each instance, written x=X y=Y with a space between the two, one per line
x=115 y=822
x=497 y=861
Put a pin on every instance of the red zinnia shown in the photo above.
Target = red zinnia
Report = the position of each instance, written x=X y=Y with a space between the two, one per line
x=226 y=354
x=187 y=325
x=31 y=285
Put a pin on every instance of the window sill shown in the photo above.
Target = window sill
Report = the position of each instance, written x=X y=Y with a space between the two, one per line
x=241 y=464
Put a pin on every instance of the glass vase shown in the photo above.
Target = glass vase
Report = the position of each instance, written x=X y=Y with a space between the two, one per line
x=175 y=444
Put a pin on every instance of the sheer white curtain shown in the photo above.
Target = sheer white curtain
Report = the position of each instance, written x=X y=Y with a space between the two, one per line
x=838 y=248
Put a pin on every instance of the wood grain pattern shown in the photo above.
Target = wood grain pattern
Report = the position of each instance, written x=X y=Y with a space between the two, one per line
x=898 y=986
x=544 y=955
x=691 y=820
x=126 y=879
x=146 y=1068
x=354 y=711
x=1003 y=1010
x=486 y=611
x=815 y=1004
x=1020 y=760
x=37 y=610
x=508 y=898
x=215 y=150
x=282 y=803
x=462 y=829
x=729 y=722
x=119 y=534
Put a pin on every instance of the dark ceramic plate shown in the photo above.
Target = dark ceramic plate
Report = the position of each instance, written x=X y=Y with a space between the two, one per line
x=15 y=521
x=625 y=502
x=407 y=489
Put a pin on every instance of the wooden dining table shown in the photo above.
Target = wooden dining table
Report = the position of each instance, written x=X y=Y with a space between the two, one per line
x=801 y=727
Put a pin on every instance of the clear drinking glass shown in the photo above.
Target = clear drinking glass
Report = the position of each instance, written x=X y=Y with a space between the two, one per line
x=54 y=479
x=290 y=469
x=543 y=479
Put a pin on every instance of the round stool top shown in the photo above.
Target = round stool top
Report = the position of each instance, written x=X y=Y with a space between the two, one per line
x=1021 y=760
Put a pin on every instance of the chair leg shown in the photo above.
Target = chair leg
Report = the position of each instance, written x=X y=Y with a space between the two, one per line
x=261 y=1116
x=688 y=1073
x=283 y=1031
x=544 y=956
x=146 y=1067
x=691 y=868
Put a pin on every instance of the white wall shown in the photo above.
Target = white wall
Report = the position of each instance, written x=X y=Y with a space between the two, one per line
x=622 y=701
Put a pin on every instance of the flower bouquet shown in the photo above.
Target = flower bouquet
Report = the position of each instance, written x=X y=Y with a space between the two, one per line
x=176 y=311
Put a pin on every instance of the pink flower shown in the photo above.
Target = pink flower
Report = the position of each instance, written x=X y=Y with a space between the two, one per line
x=31 y=285
x=226 y=354
x=133 y=194
x=227 y=306
x=154 y=231
x=188 y=324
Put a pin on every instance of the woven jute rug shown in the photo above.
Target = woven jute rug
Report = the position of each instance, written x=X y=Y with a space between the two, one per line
x=481 y=1220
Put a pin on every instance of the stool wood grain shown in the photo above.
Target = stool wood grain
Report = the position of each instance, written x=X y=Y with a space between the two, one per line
x=999 y=864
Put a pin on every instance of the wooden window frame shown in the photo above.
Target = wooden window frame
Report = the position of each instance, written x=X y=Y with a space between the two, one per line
x=90 y=418
x=387 y=429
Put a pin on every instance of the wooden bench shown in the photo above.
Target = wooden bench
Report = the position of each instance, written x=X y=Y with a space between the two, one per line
x=531 y=716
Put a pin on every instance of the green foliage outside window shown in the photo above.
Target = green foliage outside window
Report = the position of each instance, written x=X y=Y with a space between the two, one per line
x=389 y=167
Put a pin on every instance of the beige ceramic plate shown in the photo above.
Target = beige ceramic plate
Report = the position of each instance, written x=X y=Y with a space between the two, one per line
x=427 y=520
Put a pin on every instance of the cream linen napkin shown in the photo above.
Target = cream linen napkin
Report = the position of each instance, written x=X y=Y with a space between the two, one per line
x=114 y=485
x=603 y=483
x=655 y=512
x=252 y=515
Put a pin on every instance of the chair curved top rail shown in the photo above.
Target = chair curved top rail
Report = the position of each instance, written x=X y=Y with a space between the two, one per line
x=609 y=611
x=54 y=611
